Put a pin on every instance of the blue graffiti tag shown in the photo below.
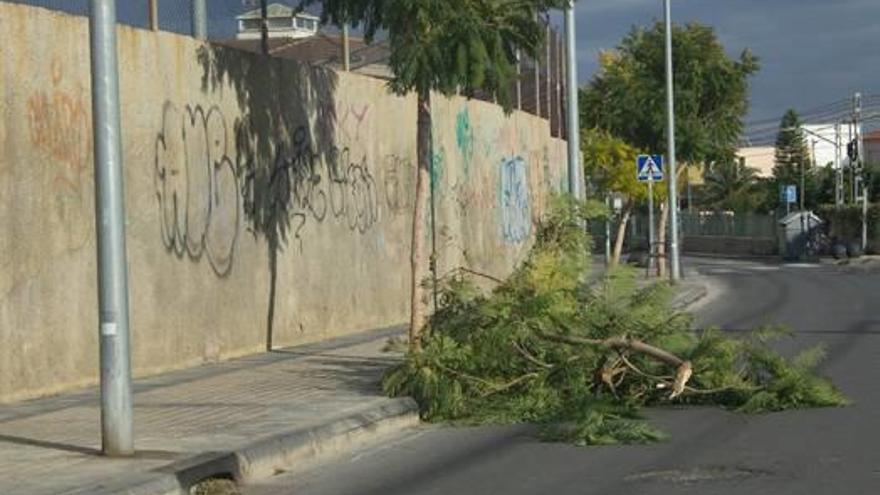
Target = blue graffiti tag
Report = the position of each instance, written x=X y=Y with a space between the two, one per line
x=516 y=223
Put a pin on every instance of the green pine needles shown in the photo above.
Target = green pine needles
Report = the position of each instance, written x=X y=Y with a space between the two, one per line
x=580 y=359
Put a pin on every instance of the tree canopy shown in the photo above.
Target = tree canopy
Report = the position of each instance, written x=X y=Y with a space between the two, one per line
x=449 y=45
x=791 y=148
x=628 y=95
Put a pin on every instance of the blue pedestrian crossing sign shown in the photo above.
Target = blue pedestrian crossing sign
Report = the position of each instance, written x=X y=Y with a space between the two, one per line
x=650 y=168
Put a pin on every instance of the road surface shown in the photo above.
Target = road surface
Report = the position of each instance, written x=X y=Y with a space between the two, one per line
x=827 y=451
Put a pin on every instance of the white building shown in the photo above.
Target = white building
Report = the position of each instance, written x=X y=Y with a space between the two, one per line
x=820 y=139
x=283 y=22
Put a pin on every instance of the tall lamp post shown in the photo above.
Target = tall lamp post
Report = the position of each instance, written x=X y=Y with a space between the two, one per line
x=116 y=395
x=675 y=262
x=575 y=183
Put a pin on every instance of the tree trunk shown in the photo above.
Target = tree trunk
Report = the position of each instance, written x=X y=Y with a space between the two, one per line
x=661 y=239
x=621 y=234
x=417 y=256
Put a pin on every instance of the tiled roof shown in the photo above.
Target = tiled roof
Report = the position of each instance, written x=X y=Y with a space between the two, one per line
x=873 y=135
x=321 y=49
x=275 y=10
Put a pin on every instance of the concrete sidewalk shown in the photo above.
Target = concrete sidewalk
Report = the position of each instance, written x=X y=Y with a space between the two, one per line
x=245 y=418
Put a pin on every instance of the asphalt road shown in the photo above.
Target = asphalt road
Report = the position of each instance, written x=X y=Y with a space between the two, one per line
x=827 y=451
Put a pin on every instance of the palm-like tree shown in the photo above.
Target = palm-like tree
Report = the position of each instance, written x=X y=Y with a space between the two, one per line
x=444 y=46
x=731 y=185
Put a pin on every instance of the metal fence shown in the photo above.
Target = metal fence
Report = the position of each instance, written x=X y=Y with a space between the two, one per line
x=540 y=87
x=723 y=224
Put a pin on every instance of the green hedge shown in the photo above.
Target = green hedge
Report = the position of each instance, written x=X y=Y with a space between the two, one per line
x=845 y=223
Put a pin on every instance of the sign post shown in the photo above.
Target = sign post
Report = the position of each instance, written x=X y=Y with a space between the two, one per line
x=789 y=195
x=649 y=168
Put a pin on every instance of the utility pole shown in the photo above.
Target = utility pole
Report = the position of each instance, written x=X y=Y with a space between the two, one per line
x=154 y=15
x=675 y=262
x=575 y=184
x=199 y=20
x=838 y=171
x=860 y=147
x=116 y=398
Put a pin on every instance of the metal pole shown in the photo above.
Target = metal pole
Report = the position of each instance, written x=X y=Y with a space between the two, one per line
x=264 y=26
x=154 y=14
x=518 y=80
x=803 y=185
x=675 y=265
x=548 y=67
x=559 y=110
x=607 y=230
x=537 y=87
x=346 y=49
x=651 y=235
x=838 y=172
x=199 y=20
x=116 y=400
x=860 y=144
x=574 y=144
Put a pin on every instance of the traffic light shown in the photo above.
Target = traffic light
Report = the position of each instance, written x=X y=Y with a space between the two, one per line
x=852 y=150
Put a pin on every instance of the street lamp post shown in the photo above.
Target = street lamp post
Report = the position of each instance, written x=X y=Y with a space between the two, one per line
x=575 y=184
x=675 y=262
x=116 y=395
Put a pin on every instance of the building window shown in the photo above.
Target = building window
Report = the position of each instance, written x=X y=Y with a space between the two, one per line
x=308 y=24
x=280 y=23
x=250 y=24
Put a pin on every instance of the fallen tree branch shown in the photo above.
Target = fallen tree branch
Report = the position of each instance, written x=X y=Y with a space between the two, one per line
x=683 y=371
x=480 y=274
x=530 y=357
x=512 y=383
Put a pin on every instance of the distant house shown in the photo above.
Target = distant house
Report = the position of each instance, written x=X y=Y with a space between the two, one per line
x=760 y=158
x=872 y=147
x=283 y=23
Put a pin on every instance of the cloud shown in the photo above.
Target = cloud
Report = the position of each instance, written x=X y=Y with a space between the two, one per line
x=812 y=51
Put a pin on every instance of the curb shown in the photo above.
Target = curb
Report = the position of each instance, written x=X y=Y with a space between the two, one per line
x=268 y=456
x=691 y=295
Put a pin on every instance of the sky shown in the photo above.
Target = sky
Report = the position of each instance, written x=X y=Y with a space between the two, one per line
x=813 y=52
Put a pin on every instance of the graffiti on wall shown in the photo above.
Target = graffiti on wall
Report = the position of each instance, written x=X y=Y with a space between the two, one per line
x=59 y=128
x=58 y=122
x=516 y=221
x=309 y=186
x=464 y=137
x=352 y=119
x=398 y=180
x=197 y=186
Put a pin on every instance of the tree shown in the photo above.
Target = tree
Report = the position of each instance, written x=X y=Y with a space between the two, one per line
x=610 y=163
x=627 y=96
x=444 y=46
x=732 y=186
x=791 y=149
x=793 y=164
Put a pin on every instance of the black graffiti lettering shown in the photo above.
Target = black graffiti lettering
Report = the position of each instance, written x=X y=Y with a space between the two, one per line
x=310 y=187
x=398 y=181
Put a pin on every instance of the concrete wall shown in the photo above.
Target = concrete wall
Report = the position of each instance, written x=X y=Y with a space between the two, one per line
x=255 y=192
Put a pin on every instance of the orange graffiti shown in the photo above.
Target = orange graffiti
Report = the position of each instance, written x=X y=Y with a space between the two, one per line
x=59 y=124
